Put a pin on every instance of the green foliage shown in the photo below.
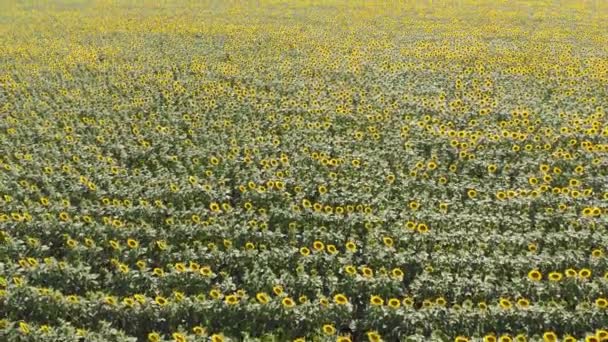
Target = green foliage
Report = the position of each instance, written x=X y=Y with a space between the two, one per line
x=328 y=170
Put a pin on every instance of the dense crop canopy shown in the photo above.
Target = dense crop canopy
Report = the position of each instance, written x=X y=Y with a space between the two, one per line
x=304 y=170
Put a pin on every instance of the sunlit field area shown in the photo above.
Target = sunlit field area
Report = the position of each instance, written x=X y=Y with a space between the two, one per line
x=304 y=171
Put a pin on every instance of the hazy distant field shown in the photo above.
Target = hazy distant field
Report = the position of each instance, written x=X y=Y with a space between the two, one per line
x=304 y=170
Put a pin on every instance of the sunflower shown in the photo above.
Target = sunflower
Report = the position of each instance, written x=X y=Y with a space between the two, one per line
x=217 y=338
x=521 y=338
x=215 y=294
x=141 y=264
x=340 y=299
x=277 y=289
x=231 y=299
x=489 y=338
x=550 y=336
x=130 y=302
x=140 y=298
x=350 y=269
x=482 y=306
x=414 y=205
x=505 y=303
x=288 y=302
x=472 y=193
x=367 y=272
x=304 y=251
x=394 y=303
x=388 y=241
x=331 y=249
x=162 y=301
x=570 y=273
x=555 y=276
x=523 y=303
x=73 y=299
x=180 y=267
x=584 y=273
x=322 y=189
x=262 y=297
x=373 y=336
x=601 y=303
x=596 y=211
x=45 y=329
x=408 y=301
x=205 y=271
x=24 y=328
x=351 y=246
x=161 y=244
x=397 y=273
x=72 y=243
x=178 y=337
x=328 y=329
x=376 y=301
x=214 y=207
x=63 y=216
x=110 y=300
x=324 y=302
x=535 y=275
x=159 y=272
x=318 y=245
x=194 y=266
x=199 y=331
x=153 y=337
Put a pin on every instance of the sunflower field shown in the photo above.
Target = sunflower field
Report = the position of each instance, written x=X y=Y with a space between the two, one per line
x=320 y=170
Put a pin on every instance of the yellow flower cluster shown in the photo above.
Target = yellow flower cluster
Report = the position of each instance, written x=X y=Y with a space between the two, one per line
x=304 y=170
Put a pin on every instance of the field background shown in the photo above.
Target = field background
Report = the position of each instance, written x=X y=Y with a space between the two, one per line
x=319 y=170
